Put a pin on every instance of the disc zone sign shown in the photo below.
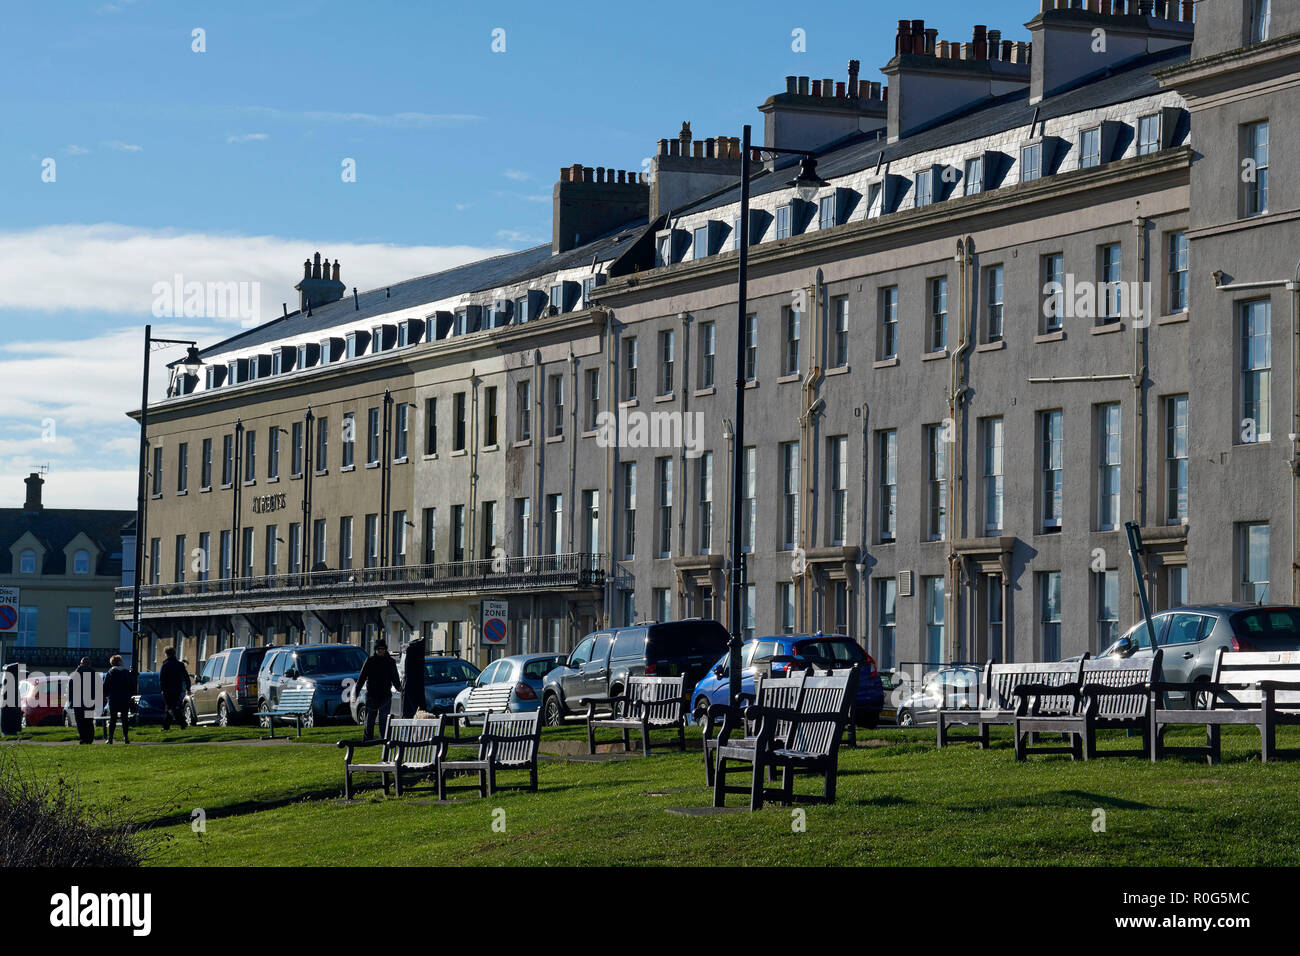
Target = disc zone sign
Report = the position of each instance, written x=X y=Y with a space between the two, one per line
x=495 y=615
x=9 y=610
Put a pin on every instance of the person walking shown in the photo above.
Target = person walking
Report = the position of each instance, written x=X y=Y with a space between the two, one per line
x=413 y=678
x=174 y=682
x=379 y=678
x=84 y=704
x=119 y=685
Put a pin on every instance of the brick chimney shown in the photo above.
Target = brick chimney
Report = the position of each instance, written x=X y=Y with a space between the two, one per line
x=588 y=202
x=1066 y=50
x=930 y=79
x=812 y=113
x=33 y=502
x=684 y=169
x=320 y=284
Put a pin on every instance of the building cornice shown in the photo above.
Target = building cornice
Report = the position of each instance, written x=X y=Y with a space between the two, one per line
x=1221 y=68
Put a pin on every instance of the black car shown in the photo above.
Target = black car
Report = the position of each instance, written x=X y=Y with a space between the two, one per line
x=601 y=663
x=148 y=706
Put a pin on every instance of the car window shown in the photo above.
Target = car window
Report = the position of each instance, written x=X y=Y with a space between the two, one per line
x=747 y=653
x=1184 y=629
x=601 y=651
x=826 y=652
x=489 y=675
x=330 y=660
x=629 y=643
x=582 y=653
x=1271 y=622
x=232 y=666
x=1140 y=637
x=537 y=669
x=148 y=683
x=212 y=668
x=449 y=671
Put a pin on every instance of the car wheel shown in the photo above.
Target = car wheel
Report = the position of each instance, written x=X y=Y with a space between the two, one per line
x=24 y=722
x=309 y=719
x=67 y=719
x=193 y=715
x=552 y=715
x=223 y=714
x=906 y=719
x=1202 y=699
x=263 y=722
x=361 y=714
x=701 y=707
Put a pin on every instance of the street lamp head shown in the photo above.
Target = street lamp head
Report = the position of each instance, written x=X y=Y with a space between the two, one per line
x=807 y=182
x=192 y=360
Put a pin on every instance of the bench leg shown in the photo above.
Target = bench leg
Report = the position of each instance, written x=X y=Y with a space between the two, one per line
x=645 y=740
x=1084 y=744
x=1020 y=743
x=532 y=776
x=708 y=766
x=441 y=776
x=397 y=782
x=591 y=737
x=719 y=782
x=627 y=741
x=942 y=731
x=681 y=736
x=491 y=777
x=1213 y=743
x=983 y=742
x=756 y=785
x=347 y=783
x=383 y=778
x=830 y=784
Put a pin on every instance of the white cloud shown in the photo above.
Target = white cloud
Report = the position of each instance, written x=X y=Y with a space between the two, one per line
x=517 y=174
x=74 y=488
x=516 y=235
x=112 y=268
x=247 y=138
x=122 y=147
x=395 y=120
x=72 y=149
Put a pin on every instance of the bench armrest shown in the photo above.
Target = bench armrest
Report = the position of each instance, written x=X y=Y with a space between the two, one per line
x=1277 y=684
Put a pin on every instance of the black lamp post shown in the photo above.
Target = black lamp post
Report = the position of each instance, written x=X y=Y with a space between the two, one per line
x=806 y=184
x=191 y=366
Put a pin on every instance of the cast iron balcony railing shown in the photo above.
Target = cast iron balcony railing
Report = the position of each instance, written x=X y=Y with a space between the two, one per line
x=546 y=572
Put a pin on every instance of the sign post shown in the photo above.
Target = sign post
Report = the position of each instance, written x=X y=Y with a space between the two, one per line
x=8 y=617
x=495 y=616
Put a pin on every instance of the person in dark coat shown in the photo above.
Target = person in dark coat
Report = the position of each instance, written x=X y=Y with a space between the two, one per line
x=413 y=678
x=119 y=687
x=82 y=698
x=379 y=678
x=174 y=682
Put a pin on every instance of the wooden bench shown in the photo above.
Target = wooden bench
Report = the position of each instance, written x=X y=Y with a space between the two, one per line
x=410 y=746
x=769 y=692
x=648 y=704
x=1112 y=694
x=294 y=705
x=1247 y=688
x=508 y=742
x=996 y=702
x=810 y=744
x=490 y=698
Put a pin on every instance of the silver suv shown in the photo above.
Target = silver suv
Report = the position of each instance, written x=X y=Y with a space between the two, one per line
x=1192 y=634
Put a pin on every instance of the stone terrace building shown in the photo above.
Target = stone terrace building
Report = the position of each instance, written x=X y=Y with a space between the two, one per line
x=1037 y=298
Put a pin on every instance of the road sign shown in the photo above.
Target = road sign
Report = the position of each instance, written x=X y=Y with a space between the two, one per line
x=495 y=616
x=9 y=610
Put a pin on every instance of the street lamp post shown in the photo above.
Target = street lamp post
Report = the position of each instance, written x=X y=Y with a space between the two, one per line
x=191 y=364
x=805 y=183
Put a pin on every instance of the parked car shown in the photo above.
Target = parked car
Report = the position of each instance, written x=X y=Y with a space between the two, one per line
x=779 y=655
x=525 y=672
x=225 y=689
x=1190 y=636
x=324 y=667
x=147 y=706
x=602 y=662
x=42 y=699
x=444 y=678
x=948 y=687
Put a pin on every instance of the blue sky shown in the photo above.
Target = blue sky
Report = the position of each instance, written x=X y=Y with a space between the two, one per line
x=225 y=165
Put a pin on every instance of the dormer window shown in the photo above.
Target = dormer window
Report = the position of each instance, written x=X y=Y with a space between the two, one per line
x=403 y=333
x=924 y=188
x=216 y=374
x=81 y=562
x=557 y=297
x=663 y=249
x=1031 y=162
x=1148 y=134
x=826 y=212
x=521 y=309
x=973 y=179
x=1261 y=16
x=784 y=215
x=875 y=200
x=700 y=242
x=1090 y=148
x=325 y=356
x=27 y=562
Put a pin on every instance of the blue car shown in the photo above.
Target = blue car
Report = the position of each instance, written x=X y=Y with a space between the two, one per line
x=795 y=651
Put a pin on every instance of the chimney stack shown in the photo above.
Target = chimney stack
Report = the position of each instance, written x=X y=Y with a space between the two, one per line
x=320 y=284
x=811 y=113
x=590 y=201
x=33 y=502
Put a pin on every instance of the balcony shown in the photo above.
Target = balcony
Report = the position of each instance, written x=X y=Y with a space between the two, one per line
x=366 y=587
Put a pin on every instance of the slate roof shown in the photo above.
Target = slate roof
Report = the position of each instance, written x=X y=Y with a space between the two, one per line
x=1121 y=83
x=55 y=527
x=498 y=271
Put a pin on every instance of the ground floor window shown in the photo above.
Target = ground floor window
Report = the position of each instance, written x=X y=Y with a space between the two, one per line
x=934 y=620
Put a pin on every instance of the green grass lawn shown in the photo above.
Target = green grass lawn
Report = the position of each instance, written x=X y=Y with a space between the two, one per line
x=901 y=802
